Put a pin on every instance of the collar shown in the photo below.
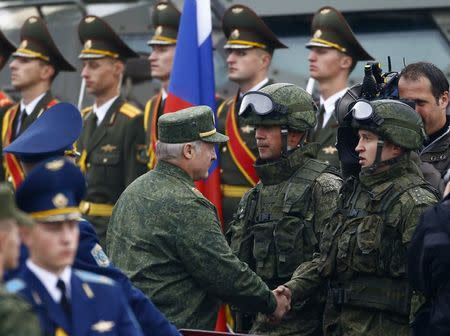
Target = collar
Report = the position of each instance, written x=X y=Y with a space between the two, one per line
x=274 y=172
x=101 y=111
x=173 y=170
x=163 y=94
x=49 y=279
x=330 y=104
x=256 y=87
x=437 y=136
x=29 y=108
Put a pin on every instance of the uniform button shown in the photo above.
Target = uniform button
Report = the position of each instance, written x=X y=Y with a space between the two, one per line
x=224 y=149
x=105 y=160
x=88 y=165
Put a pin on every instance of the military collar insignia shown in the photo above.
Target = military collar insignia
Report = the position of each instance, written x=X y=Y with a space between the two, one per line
x=88 y=44
x=60 y=201
x=235 y=34
x=103 y=326
x=89 y=19
x=158 y=31
x=87 y=290
x=317 y=33
x=54 y=165
x=237 y=10
x=161 y=7
x=247 y=129
x=329 y=150
x=108 y=148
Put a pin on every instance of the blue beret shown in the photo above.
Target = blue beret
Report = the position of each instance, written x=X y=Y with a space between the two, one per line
x=52 y=191
x=50 y=135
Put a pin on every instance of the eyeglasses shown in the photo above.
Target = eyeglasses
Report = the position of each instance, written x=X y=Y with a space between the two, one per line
x=261 y=104
x=363 y=111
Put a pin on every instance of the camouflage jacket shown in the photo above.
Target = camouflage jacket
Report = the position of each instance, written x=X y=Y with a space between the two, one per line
x=167 y=238
x=16 y=316
x=278 y=226
x=363 y=253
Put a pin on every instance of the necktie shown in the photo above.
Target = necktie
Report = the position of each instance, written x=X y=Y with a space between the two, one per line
x=65 y=304
x=314 y=136
x=20 y=121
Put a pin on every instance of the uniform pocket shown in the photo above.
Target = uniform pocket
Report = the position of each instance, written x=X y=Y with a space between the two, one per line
x=263 y=249
x=369 y=234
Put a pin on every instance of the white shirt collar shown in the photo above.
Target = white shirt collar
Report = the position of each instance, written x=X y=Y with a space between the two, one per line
x=330 y=103
x=101 y=111
x=49 y=279
x=29 y=108
x=256 y=87
x=163 y=94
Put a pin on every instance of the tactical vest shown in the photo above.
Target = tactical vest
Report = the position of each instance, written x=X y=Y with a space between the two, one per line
x=362 y=249
x=272 y=231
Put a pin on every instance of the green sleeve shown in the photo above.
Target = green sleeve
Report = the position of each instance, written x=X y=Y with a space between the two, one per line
x=134 y=155
x=17 y=317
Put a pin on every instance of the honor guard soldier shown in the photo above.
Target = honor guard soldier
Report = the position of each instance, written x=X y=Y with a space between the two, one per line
x=36 y=63
x=68 y=301
x=16 y=316
x=250 y=48
x=112 y=143
x=334 y=52
x=53 y=135
x=165 y=20
x=6 y=49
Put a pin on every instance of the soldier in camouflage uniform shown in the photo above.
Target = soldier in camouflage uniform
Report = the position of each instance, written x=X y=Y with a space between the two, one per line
x=279 y=222
x=16 y=316
x=364 y=247
x=172 y=246
x=112 y=143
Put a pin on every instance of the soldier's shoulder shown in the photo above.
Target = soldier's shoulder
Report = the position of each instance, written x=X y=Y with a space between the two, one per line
x=86 y=111
x=129 y=110
x=94 y=278
x=329 y=181
x=419 y=195
x=15 y=285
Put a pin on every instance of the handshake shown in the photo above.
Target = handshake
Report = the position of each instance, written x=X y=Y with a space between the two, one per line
x=283 y=296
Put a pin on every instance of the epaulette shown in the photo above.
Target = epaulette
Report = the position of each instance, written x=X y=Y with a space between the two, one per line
x=5 y=102
x=421 y=195
x=15 y=285
x=129 y=110
x=86 y=111
x=95 y=278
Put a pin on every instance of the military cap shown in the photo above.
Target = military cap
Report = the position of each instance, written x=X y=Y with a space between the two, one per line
x=165 y=20
x=6 y=46
x=50 y=135
x=190 y=124
x=99 y=40
x=36 y=42
x=8 y=208
x=245 y=29
x=331 y=30
x=52 y=191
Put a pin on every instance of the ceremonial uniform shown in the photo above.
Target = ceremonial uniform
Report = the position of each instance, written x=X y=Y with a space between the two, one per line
x=244 y=30
x=330 y=30
x=113 y=149
x=50 y=136
x=363 y=249
x=173 y=247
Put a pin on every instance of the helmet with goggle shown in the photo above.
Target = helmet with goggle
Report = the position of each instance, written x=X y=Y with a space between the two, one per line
x=280 y=104
x=392 y=120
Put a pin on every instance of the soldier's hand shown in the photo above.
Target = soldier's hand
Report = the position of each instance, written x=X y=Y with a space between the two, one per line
x=284 y=291
x=283 y=306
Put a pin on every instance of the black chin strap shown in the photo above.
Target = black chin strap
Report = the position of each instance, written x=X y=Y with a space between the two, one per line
x=284 y=141
x=376 y=163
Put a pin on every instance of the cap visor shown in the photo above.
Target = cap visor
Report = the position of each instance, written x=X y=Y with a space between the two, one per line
x=317 y=44
x=237 y=46
x=216 y=138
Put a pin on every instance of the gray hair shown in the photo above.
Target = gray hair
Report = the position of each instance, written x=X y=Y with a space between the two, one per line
x=173 y=151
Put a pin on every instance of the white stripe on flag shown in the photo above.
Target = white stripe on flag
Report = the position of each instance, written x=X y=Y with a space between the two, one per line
x=203 y=20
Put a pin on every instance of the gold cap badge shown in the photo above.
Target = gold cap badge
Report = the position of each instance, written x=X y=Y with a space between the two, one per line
x=23 y=44
x=235 y=34
x=89 y=19
x=161 y=6
x=158 y=30
x=88 y=44
x=237 y=10
x=317 y=33
x=60 y=201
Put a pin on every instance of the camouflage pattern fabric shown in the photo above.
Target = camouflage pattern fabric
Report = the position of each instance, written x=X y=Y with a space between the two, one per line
x=167 y=238
x=363 y=253
x=283 y=234
x=16 y=316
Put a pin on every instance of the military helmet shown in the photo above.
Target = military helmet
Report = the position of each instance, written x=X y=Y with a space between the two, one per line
x=392 y=120
x=290 y=106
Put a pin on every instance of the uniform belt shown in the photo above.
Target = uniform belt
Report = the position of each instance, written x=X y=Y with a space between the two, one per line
x=234 y=190
x=96 y=209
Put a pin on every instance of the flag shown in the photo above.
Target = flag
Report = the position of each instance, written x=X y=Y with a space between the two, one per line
x=191 y=84
x=192 y=78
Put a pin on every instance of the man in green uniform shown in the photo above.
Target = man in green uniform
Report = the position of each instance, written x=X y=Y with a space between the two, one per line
x=334 y=53
x=250 y=46
x=284 y=215
x=112 y=141
x=363 y=249
x=16 y=316
x=165 y=20
x=172 y=246
x=36 y=63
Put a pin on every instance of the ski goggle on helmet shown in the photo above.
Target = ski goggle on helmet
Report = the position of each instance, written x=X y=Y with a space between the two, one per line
x=363 y=112
x=261 y=104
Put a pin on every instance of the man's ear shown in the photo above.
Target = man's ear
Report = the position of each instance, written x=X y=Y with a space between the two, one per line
x=443 y=100
x=188 y=150
x=346 y=62
x=25 y=235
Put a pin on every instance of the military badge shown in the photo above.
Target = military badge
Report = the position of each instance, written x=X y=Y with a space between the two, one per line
x=88 y=44
x=158 y=31
x=108 y=148
x=142 y=153
x=161 y=7
x=247 y=129
x=60 y=201
x=89 y=19
x=87 y=290
x=32 y=20
x=23 y=44
x=235 y=34
x=54 y=165
x=329 y=150
x=317 y=33
x=103 y=326
x=325 y=11
x=237 y=10
x=100 y=256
